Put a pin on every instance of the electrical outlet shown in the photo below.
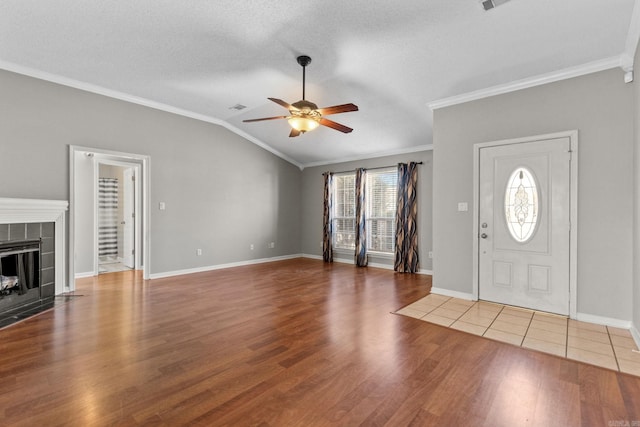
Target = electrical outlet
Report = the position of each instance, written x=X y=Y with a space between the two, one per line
x=198 y=252
x=430 y=254
x=271 y=245
x=251 y=246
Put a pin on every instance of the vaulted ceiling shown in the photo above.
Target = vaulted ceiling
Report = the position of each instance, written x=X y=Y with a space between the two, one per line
x=200 y=58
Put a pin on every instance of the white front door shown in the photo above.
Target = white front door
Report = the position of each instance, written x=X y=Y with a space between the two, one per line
x=128 y=220
x=524 y=224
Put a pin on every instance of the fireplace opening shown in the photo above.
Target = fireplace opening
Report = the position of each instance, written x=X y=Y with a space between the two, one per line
x=19 y=273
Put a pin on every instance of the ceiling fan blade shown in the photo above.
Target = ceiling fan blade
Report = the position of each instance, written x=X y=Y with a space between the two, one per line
x=265 y=118
x=283 y=103
x=294 y=132
x=344 y=108
x=334 y=125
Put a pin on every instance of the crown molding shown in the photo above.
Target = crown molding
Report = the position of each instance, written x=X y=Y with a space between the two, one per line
x=99 y=90
x=416 y=149
x=633 y=36
x=567 y=73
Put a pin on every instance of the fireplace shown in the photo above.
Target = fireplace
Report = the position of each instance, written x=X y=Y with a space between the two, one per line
x=32 y=252
x=20 y=273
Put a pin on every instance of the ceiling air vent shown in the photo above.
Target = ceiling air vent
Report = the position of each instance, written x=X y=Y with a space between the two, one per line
x=490 y=4
x=238 y=107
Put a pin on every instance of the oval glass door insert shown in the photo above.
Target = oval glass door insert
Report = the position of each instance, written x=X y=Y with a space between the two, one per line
x=521 y=205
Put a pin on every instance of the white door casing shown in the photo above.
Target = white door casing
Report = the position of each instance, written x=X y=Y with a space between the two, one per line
x=128 y=213
x=535 y=270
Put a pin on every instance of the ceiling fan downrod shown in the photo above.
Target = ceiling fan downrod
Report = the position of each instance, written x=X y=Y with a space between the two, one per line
x=304 y=60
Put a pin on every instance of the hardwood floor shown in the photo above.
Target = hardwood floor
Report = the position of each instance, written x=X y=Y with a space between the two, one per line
x=290 y=343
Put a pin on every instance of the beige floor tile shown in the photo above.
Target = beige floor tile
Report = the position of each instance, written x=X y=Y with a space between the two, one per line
x=589 y=335
x=551 y=327
x=516 y=311
x=469 y=327
x=455 y=308
x=486 y=305
x=544 y=346
x=629 y=367
x=482 y=312
x=408 y=311
x=476 y=319
x=585 y=325
x=459 y=301
x=422 y=307
x=619 y=332
x=550 y=318
x=438 y=320
x=547 y=336
x=505 y=326
x=435 y=297
x=592 y=358
x=503 y=336
x=624 y=342
x=445 y=312
x=589 y=345
x=515 y=320
x=627 y=354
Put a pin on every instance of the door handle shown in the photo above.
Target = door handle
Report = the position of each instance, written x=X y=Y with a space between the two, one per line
x=484 y=235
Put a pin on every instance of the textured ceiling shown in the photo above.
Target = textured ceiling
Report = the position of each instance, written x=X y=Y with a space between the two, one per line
x=201 y=57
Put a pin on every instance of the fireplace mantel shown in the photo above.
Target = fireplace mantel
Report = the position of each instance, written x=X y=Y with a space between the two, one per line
x=14 y=211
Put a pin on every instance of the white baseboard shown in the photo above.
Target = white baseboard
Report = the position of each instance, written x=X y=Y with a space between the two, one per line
x=635 y=334
x=606 y=321
x=83 y=275
x=454 y=294
x=220 y=266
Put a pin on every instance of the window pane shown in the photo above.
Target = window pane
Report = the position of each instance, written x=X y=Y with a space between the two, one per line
x=521 y=205
x=344 y=233
x=344 y=211
x=381 y=209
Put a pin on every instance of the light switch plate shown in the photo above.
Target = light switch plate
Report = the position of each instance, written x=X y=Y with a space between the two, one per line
x=463 y=206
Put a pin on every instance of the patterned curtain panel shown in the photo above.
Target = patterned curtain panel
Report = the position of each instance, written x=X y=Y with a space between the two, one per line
x=361 y=232
x=327 y=227
x=406 y=252
x=107 y=217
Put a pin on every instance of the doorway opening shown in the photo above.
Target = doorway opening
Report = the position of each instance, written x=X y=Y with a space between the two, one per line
x=109 y=213
x=116 y=209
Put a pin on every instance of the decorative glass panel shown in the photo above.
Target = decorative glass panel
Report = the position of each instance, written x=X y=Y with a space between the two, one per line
x=521 y=204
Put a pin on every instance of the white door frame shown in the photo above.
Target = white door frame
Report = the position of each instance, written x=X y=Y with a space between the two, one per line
x=573 y=203
x=145 y=162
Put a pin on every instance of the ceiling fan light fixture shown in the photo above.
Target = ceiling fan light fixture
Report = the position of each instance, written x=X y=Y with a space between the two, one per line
x=303 y=124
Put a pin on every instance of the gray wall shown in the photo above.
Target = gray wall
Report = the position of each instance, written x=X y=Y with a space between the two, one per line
x=312 y=196
x=600 y=107
x=222 y=192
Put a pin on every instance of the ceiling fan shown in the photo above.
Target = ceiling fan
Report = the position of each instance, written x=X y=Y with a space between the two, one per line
x=304 y=115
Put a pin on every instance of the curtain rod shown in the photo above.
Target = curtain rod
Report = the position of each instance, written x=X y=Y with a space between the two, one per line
x=371 y=169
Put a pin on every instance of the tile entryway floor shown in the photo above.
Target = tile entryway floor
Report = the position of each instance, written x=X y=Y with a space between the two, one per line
x=604 y=346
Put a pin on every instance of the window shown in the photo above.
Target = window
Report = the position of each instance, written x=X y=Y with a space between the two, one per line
x=380 y=213
x=344 y=211
x=381 y=199
x=521 y=205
